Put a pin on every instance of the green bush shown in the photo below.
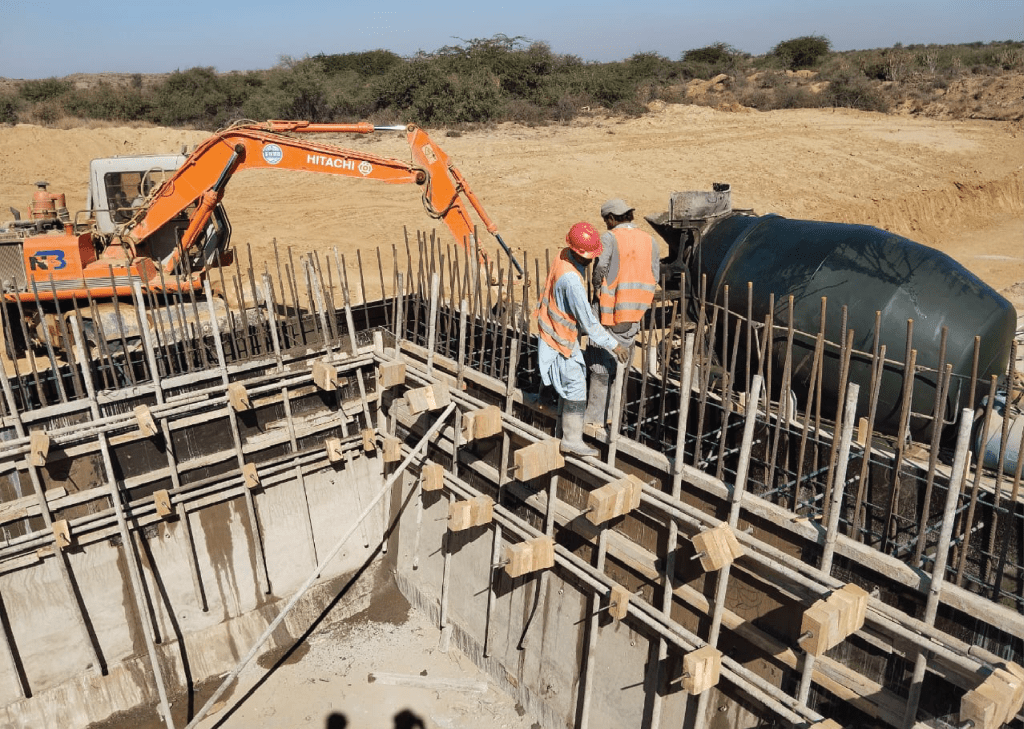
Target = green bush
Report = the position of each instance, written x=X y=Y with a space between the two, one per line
x=718 y=53
x=196 y=96
x=9 y=105
x=525 y=74
x=650 y=67
x=709 y=61
x=803 y=52
x=104 y=101
x=48 y=112
x=365 y=64
x=852 y=90
x=45 y=89
x=428 y=96
x=504 y=78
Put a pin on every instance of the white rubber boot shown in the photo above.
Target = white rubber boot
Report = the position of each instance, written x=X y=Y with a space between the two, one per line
x=572 y=429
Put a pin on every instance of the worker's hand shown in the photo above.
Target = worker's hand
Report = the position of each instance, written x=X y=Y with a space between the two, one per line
x=621 y=353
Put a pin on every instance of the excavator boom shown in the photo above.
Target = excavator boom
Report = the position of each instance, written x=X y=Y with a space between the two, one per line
x=202 y=178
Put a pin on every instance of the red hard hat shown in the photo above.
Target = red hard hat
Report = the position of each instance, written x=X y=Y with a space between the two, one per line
x=584 y=239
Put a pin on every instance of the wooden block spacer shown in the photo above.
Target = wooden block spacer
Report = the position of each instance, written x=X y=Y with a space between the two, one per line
x=998 y=699
x=325 y=376
x=716 y=547
x=390 y=374
x=530 y=555
x=38 y=448
x=432 y=477
x=428 y=398
x=819 y=628
x=392 y=450
x=614 y=499
x=250 y=475
x=537 y=459
x=701 y=669
x=162 y=501
x=238 y=397
x=481 y=423
x=618 y=602
x=62 y=533
x=144 y=418
x=335 y=453
x=470 y=513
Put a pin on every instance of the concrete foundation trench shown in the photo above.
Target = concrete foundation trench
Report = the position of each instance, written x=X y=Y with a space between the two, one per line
x=733 y=558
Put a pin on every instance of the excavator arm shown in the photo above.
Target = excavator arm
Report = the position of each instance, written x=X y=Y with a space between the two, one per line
x=201 y=180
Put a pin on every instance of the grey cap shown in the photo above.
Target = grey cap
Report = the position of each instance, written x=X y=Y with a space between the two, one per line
x=615 y=207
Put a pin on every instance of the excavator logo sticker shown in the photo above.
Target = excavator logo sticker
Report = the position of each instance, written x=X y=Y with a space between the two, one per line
x=272 y=154
x=41 y=261
x=365 y=168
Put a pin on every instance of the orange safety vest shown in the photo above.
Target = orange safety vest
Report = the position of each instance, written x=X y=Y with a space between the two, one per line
x=624 y=299
x=557 y=327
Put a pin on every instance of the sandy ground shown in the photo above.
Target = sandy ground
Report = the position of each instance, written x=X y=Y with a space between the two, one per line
x=957 y=186
x=382 y=668
x=363 y=674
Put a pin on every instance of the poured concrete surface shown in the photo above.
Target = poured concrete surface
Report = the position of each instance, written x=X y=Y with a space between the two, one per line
x=322 y=680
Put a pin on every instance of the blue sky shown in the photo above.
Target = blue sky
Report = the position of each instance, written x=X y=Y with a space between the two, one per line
x=40 y=38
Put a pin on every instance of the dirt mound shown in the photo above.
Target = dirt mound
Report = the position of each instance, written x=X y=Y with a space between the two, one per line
x=972 y=97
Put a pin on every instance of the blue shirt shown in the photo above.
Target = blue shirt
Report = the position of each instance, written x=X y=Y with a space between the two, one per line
x=568 y=375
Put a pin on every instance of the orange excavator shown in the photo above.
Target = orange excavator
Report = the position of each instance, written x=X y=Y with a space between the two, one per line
x=157 y=222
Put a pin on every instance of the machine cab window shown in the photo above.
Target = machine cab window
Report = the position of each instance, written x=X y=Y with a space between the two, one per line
x=124 y=194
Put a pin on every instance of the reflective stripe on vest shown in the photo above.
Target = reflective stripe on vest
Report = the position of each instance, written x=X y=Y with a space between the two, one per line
x=625 y=298
x=556 y=327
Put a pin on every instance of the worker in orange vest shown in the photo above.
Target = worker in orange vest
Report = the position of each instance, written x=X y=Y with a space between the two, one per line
x=562 y=315
x=624 y=279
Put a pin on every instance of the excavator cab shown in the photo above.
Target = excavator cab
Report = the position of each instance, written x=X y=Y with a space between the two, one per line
x=119 y=188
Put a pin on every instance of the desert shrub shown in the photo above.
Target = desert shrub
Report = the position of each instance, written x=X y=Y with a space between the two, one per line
x=428 y=96
x=709 y=61
x=9 y=104
x=803 y=52
x=604 y=84
x=876 y=71
x=1011 y=59
x=629 y=107
x=651 y=68
x=757 y=97
x=196 y=96
x=526 y=112
x=795 y=97
x=46 y=89
x=854 y=91
x=570 y=105
x=304 y=90
x=769 y=79
x=522 y=70
x=48 y=113
x=718 y=52
x=781 y=96
x=364 y=64
x=104 y=101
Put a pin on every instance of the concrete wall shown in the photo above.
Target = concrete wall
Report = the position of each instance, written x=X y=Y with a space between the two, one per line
x=538 y=625
x=194 y=643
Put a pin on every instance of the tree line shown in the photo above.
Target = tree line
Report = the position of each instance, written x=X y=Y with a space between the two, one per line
x=497 y=79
